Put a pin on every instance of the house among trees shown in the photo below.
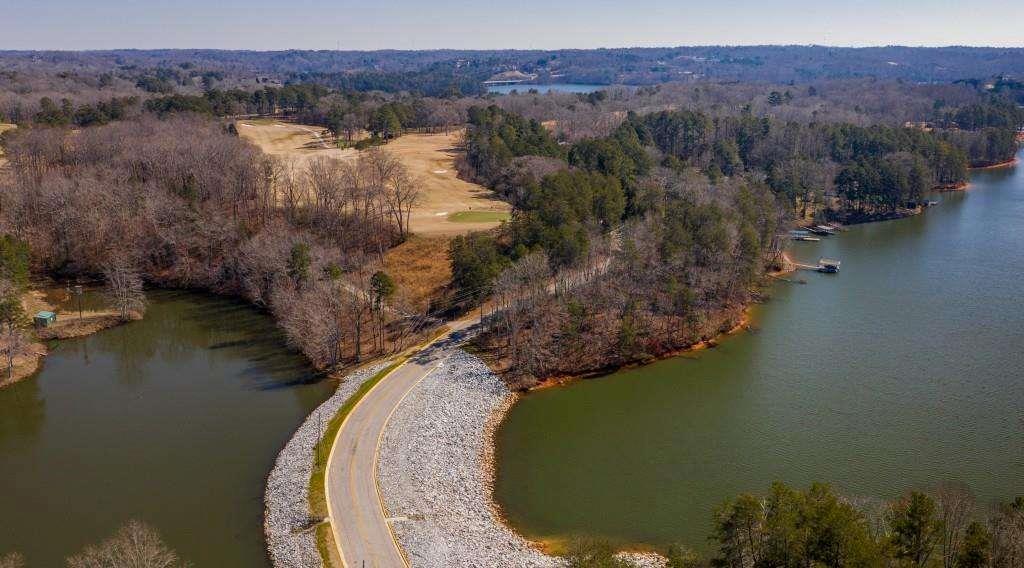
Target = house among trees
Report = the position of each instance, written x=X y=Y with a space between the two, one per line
x=510 y=78
x=266 y=80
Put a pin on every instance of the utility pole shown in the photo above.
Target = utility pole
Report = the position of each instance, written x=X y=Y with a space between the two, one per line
x=78 y=291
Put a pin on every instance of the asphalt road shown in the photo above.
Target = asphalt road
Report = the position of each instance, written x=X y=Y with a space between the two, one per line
x=361 y=529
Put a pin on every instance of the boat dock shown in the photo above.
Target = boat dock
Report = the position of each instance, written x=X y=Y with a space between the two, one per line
x=825 y=265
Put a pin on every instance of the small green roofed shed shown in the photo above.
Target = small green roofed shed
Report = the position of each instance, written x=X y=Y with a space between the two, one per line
x=44 y=319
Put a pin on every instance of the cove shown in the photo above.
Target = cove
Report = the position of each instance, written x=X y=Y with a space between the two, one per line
x=174 y=420
x=902 y=371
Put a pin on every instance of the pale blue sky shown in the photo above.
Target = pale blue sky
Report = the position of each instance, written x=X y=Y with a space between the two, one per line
x=488 y=24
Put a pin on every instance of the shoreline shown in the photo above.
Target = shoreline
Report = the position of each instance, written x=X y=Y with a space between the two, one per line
x=434 y=471
x=998 y=165
x=25 y=366
x=728 y=329
x=788 y=267
x=962 y=186
x=90 y=322
x=742 y=323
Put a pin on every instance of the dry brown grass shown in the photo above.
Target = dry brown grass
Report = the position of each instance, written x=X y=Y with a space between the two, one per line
x=291 y=141
x=429 y=159
x=35 y=301
x=24 y=366
x=70 y=324
x=420 y=268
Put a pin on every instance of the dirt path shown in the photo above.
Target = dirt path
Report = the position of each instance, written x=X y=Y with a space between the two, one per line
x=448 y=205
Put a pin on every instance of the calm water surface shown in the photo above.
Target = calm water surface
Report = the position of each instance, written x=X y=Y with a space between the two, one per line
x=557 y=87
x=174 y=420
x=904 y=370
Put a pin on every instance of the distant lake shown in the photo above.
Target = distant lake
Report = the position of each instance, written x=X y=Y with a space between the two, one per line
x=557 y=87
x=900 y=372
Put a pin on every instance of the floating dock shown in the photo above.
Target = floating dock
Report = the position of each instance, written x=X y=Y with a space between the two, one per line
x=828 y=265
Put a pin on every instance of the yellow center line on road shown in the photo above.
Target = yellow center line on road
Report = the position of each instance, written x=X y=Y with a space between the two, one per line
x=332 y=517
x=376 y=459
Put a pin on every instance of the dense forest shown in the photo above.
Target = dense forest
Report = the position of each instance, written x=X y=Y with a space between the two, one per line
x=788 y=527
x=182 y=202
x=646 y=258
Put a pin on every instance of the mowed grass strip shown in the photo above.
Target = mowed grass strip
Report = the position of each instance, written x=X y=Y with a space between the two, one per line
x=322 y=450
x=325 y=544
x=479 y=216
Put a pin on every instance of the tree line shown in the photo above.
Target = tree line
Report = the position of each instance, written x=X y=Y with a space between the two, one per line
x=816 y=527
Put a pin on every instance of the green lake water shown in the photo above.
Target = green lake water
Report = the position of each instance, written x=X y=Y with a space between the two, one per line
x=174 y=420
x=904 y=370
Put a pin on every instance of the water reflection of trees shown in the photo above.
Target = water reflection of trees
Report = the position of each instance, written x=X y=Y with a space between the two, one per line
x=179 y=324
x=22 y=411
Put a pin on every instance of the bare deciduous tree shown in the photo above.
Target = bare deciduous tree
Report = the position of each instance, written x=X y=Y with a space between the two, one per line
x=956 y=504
x=1007 y=525
x=323 y=175
x=13 y=344
x=135 y=545
x=516 y=292
x=400 y=196
x=124 y=288
x=12 y=560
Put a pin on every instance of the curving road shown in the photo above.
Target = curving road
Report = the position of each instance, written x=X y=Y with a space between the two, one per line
x=358 y=520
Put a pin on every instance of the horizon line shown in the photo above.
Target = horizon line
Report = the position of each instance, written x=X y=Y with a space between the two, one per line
x=515 y=49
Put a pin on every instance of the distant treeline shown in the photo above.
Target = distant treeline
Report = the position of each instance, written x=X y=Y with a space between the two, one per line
x=268 y=100
x=343 y=113
x=434 y=72
x=877 y=165
x=435 y=80
x=102 y=112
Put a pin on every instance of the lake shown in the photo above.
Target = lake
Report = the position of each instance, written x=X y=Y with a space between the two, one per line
x=557 y=87
x=902 y=371
x=174 y=420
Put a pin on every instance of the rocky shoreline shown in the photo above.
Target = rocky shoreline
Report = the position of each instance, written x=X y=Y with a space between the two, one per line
x=431 y=472
x=287 y=524
x=436 y=473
